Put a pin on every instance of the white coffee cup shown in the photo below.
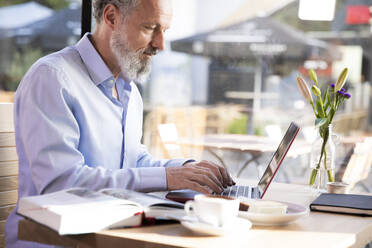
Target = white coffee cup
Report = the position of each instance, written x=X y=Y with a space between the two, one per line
x=214 y=210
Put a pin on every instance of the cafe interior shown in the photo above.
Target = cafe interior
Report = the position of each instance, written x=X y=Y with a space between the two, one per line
x=227 y=86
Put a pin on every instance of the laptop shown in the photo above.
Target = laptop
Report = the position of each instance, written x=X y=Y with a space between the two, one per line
x=255 y=192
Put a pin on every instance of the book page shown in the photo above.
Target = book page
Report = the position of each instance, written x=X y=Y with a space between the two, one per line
x=146 y=200
x=72 y=197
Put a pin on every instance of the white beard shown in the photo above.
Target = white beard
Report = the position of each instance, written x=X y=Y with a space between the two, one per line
x=131 y=65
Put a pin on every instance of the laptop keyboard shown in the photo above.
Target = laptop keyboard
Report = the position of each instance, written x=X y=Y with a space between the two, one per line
x=241 y=191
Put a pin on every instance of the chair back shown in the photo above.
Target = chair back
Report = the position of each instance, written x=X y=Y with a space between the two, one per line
x=274 y=132
x=169 y=137
x=359 y=165
x=8 y=166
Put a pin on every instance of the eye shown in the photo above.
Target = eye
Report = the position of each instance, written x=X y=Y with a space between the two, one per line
x=150 y=28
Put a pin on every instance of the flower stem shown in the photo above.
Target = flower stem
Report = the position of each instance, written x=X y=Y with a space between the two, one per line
x=322 y=151
x=312 y=105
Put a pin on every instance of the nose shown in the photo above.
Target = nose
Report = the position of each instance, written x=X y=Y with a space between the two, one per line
x=158 y=40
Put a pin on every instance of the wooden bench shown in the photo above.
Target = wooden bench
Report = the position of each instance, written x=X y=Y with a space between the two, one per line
x=8 y=166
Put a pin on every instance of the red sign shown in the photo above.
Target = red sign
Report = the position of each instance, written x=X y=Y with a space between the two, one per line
x=322 y=68
x=357 y=14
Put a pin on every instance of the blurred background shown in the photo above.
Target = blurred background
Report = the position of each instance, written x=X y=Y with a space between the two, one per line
x=225 y=87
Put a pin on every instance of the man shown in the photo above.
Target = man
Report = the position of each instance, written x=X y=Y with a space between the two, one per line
x=78 y=115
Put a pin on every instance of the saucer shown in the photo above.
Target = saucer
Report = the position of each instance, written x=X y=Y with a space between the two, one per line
x=294 y=212
x=238 y=225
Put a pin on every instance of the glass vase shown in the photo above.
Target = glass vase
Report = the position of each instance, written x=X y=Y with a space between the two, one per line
x=322 y=159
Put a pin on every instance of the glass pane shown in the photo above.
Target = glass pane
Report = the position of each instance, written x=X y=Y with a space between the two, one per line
x=30 y=30
x=227 y=84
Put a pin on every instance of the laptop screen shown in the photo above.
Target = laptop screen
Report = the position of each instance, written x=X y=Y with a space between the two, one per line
x=278 y=157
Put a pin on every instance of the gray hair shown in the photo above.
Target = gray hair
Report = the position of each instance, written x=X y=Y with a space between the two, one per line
x=125 y=7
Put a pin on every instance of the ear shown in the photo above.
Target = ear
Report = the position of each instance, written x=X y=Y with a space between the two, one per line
x=110 y=16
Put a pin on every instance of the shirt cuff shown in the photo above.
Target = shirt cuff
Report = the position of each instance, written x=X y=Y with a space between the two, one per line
x=177 y=162
x=154 y=178
x=151 y=179
x=188 y=161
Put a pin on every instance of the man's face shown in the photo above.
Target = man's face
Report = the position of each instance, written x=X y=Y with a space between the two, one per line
x=140 y=36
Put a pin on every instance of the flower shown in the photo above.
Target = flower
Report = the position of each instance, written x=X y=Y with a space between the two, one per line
x=316 y=90
x=341 y=93
x=313 y=76
x=304 y=90
x=326 y=106
x=341 y=79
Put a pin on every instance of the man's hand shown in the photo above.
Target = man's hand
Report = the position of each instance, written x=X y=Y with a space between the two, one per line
x=205 y=177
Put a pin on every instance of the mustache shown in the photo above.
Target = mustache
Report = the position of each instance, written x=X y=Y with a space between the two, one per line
x=151 y=50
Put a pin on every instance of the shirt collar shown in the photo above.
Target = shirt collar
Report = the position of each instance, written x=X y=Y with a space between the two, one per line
x=97 y=69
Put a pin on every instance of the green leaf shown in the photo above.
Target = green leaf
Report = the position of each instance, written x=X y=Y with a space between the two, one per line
x=320 y=122
x=325 y=96
x=332 y=112
x=326 y=100
x=326 y=107
x=319 y=108
x=329 y=98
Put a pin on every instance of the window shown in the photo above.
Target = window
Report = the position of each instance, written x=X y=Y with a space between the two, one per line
x=228 y=73
x=43 y=27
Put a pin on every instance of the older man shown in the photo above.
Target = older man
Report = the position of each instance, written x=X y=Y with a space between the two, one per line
x=78 y=114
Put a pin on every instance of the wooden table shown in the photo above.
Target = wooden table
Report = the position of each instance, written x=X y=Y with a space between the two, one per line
x=315 y=230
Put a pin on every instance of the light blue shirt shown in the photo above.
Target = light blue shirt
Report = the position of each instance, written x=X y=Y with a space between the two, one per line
x=72 y=132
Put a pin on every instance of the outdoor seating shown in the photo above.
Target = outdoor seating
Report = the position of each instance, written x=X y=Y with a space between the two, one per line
x=169 y=137
x=359 y=165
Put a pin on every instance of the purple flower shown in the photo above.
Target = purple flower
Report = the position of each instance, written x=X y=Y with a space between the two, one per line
x=343 y=89
x=341 y=93
x=332 y=85
x=347 y=95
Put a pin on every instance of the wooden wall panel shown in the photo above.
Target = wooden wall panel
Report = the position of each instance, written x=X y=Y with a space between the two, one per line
x=5 y=211
x=8 y=183
x=2 y=226
x=2 y=240
x=8 y=154
x=8 y=198
x=8 y=168
x=7 y=139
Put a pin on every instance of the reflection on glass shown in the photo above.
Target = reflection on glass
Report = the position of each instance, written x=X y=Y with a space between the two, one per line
x=32 y=29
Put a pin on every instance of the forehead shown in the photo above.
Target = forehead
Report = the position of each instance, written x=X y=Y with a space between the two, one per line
x=154 y=11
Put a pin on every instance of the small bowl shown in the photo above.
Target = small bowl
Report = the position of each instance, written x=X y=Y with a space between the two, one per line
x=338 y=188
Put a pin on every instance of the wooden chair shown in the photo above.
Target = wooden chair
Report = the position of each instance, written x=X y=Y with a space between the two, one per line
x=169 y=137
x=359 y=165
x=274 y=132
x=188 y=122
x=8 y=166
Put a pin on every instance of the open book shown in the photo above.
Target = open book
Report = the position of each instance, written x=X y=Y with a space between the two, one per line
x=79 y=210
